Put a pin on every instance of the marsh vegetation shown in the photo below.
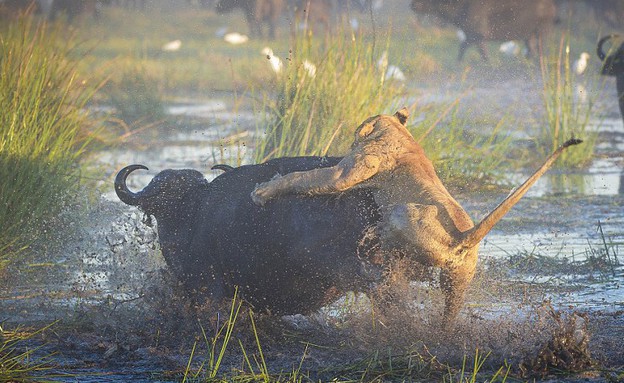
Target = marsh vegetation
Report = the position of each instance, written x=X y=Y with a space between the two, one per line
x=82 y=100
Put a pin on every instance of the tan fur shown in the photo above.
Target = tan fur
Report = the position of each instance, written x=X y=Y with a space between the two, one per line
x=420 y=217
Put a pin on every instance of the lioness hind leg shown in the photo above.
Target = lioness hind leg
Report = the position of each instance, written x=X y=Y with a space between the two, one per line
x=454 y=284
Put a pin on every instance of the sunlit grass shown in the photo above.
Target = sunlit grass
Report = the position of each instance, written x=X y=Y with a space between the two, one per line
x=383 y=364
x=567 y=109
x=44 y=129
x=316 y=114
x=463 y=154
x=18 y=362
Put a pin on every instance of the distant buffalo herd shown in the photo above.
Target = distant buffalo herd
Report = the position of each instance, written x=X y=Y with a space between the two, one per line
x=480 y=20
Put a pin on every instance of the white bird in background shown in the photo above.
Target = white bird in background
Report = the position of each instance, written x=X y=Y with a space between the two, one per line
x=510 y=48
x=171 y=46
x=310 y=68
x=276 y=62
x=235 y=38
x=461 y=35
x=393 y=72
x=580 y=65
x=220 y=33
x=354 y=23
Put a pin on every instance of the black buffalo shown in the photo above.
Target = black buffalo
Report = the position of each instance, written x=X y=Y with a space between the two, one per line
x=613 y=65
x=293 y=257
x=257 y=13
x=486 y=20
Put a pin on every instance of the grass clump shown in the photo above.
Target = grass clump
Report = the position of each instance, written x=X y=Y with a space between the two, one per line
x=211 y=368
x=43 y=129
x=135 y=95
x=460 y=154
x=315 y=112
x=568 y=107
x=17 y=362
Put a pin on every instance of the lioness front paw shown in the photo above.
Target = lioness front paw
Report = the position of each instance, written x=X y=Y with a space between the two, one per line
x=261 y=194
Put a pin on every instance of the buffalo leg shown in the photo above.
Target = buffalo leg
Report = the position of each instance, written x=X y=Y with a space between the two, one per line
x=462 y=49
x=620 y=91
x=483 y=50
x=531 y=47
x=255 y=29
x=271 y=30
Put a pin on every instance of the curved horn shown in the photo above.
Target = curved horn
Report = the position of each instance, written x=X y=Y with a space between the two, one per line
x=599 y=49
x=124 y=194
x=223 y=167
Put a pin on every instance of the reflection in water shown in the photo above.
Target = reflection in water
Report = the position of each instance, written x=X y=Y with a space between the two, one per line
x=601 y=183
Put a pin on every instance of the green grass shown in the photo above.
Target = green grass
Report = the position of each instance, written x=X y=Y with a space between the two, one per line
x=460 y=153
x=44 y=129
x=328 y=108
x=316 y=115
x=379 y=365
x=203 y=64
x=216 y=345
x=135 y=93
x=567 y=115
x=18 y=362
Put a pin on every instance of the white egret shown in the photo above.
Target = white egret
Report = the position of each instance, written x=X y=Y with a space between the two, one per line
x=276 y=62
x=171 y=46
x=235 y=38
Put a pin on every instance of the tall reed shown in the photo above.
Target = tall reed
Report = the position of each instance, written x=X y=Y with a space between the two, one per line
x=44 y=130
x=461 y=155
x=314 y=112
x=568 y=103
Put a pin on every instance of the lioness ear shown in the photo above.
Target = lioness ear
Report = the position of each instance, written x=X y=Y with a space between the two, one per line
x=365 y=130
x=402 y=115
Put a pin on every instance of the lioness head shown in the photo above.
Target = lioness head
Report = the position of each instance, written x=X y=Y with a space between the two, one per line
x=382 y=127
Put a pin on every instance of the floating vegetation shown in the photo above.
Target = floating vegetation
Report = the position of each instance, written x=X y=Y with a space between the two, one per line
x=566 y=351
x=598 y=261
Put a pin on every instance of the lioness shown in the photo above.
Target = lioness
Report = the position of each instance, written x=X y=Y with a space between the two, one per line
x=420 y=217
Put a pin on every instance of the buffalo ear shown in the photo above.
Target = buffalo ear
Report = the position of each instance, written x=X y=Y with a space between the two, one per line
x=402 y=115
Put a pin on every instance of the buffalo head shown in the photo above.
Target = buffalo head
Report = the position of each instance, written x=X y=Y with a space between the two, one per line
x=613 y=64
x=613 y=59
x=172 y=197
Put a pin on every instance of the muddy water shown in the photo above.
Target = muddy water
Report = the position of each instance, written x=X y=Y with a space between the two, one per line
x=569 y=217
